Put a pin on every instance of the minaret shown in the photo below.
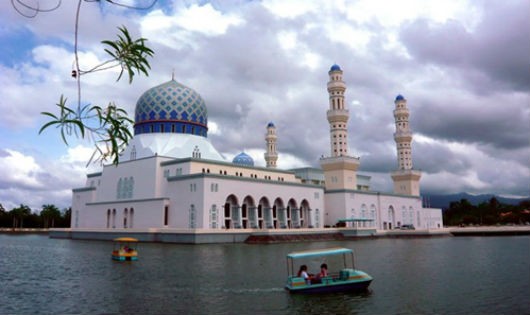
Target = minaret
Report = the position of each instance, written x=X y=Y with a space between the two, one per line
x=338 y=115
x=406 y=179
x=340 y=170
x=270 y=137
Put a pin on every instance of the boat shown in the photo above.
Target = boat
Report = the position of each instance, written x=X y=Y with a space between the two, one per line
x=125 y=249
x=342 y=278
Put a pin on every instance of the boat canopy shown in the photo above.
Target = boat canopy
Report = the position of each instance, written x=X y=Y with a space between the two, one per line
x=125 y=239
x=319 y=252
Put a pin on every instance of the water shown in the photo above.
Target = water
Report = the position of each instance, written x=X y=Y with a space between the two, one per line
x=450 y=275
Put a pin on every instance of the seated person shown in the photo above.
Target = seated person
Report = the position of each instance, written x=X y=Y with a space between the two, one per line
x=323 y=273
x=302 y=272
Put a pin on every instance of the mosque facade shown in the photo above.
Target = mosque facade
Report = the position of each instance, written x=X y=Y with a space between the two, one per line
x=171 y=177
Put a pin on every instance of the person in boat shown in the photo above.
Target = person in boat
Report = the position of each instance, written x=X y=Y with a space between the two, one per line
x=302 y=272
x=323 y=271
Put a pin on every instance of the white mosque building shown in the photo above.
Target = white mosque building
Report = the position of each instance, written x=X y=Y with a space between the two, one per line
x=172 y=180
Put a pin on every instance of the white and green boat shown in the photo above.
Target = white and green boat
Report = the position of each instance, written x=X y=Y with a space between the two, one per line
x=344 y=278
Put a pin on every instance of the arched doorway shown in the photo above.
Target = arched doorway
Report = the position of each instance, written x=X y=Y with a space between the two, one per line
x=232 y=215
x=265 y=214
x=248 y=213
x=293 y=214
x=305 y=217
x=279 y=214
x=391 y=218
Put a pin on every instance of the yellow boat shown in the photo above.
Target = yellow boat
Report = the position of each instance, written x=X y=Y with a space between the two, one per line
x=125 y=249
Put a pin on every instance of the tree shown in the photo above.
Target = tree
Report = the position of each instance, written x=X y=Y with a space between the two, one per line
x=109 y=126
x=19 y=214
x=50 y=214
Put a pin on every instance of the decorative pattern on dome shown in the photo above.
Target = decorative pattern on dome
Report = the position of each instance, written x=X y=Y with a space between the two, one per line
x=399 y=97
x=335 y=67
x=243 y=159
x=171 y=108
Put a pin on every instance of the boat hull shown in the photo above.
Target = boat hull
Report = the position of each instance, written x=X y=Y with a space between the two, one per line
x=125 y=258
x=331 y=287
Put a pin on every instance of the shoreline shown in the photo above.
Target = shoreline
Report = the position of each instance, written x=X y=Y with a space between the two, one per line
x=250 y=236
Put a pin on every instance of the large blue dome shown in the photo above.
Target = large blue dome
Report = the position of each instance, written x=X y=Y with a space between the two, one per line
x=171 y=108
x=243 y=159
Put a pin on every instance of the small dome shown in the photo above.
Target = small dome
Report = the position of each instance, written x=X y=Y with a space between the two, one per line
x=335 y=67
x=399 y=98
x=270 y=124
x=171 y=108
x=243 y=159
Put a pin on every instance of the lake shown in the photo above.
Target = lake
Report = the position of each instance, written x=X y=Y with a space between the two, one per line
x=439 y=275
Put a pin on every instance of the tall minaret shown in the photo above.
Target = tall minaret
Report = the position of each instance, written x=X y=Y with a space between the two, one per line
x=270 y=137
x=340 y=169
x=338 y=115
x=406 y=179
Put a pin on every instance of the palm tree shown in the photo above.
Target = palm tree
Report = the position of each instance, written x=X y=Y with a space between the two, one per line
x=19 y=214
x=49 y=214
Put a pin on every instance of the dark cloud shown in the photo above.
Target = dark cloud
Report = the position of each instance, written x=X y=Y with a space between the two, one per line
x=498 y=47
x=481 y=120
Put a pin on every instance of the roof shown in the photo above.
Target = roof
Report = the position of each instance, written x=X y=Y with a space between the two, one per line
x=319 y=252
x=125 y=239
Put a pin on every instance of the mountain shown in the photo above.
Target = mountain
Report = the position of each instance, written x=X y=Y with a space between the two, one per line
x=443 y=201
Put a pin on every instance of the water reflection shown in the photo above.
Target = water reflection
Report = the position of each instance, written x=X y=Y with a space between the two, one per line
x=39 y=275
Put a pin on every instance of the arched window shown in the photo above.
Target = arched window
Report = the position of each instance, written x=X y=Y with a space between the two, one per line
x=125 y=215
x=119 y=189
x=113 y=218
x=213 y=217
x=192 y=217
x=131 y=219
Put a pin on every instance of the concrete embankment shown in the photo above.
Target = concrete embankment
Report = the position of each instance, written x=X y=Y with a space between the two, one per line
x=491 y=231
x=250 y=236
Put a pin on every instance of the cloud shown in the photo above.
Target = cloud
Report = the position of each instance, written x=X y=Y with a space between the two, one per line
x=462 y=65
x=24 y=180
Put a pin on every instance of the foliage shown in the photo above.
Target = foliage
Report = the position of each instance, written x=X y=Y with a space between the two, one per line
x=107 y=126
x=22 y=217
x=486 y=213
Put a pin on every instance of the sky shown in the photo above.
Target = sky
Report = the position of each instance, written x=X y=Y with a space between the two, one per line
x=463 y=66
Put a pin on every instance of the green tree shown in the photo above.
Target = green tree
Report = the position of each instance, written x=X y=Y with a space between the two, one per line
x=19 y=214
x=108 y=125
x=4 y=217
x=50 y=214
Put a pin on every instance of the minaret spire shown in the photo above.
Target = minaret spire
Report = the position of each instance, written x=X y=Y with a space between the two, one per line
x=403 y=135
x=340 y=169
x=338 y=115
x=406 y=179
x=271 y=156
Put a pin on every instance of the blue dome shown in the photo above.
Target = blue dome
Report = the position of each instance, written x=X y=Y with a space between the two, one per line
x=171 y=108
x=335 y=67
x=243 y=159
x=270 y=124
x=399 y=97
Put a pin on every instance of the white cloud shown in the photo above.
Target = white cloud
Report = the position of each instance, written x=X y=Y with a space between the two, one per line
x=291 y=9
x=20 y=170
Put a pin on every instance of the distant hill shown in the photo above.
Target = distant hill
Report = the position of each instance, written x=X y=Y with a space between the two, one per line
x=443 y=201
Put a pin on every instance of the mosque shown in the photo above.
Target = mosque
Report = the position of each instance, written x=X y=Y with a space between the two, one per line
x=171 y=179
